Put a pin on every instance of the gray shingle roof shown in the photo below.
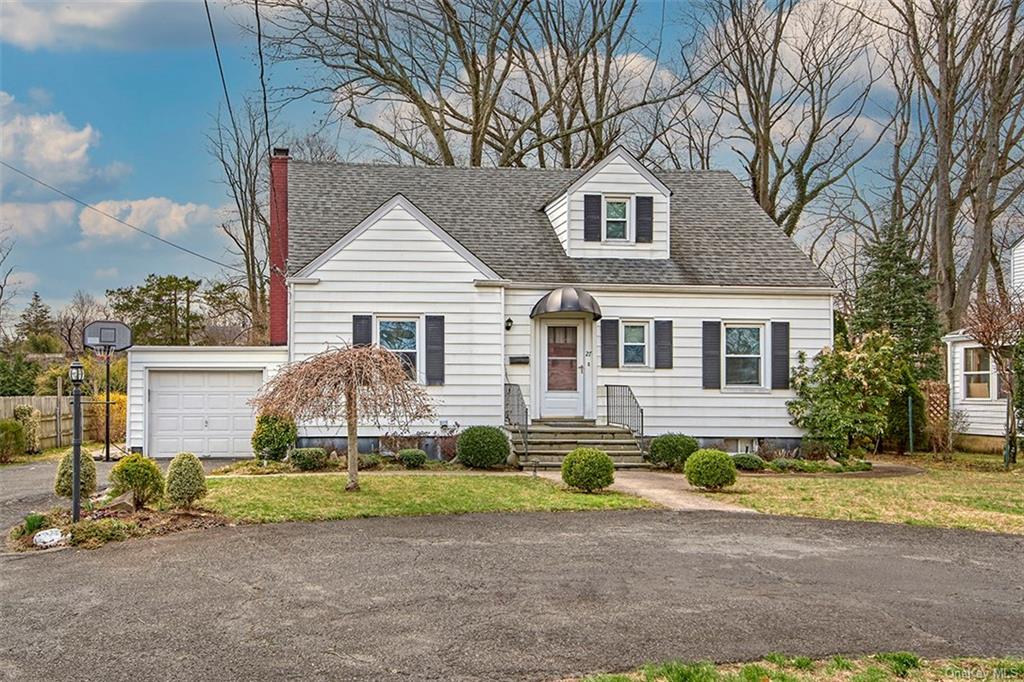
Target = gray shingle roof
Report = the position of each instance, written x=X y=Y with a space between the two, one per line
x=720 y=236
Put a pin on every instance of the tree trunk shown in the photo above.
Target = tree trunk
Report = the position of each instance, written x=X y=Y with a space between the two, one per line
x=352 y=419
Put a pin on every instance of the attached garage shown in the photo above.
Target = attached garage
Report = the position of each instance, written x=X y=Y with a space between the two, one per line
x=195 y=399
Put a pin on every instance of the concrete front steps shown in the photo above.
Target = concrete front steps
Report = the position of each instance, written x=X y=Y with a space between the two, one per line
x=551 y=440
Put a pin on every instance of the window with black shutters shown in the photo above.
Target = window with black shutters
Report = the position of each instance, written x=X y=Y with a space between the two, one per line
x=401 y=337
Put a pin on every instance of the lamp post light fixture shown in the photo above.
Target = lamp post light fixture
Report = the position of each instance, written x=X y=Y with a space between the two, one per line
x=77 y=375
x=508 y=324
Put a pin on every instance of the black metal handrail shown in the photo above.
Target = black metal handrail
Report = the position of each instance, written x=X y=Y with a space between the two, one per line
x=623 y=409
x=517 y=415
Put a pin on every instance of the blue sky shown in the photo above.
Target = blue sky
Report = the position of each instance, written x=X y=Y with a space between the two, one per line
x=112 y=102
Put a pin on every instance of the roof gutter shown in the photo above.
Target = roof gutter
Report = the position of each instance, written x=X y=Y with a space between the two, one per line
x=664 y=288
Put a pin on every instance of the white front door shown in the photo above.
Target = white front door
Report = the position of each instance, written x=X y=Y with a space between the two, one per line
x=562 y=375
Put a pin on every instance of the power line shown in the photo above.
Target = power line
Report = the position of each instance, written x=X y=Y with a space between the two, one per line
x=263 y=81
x=89 y=206
x=220 y=67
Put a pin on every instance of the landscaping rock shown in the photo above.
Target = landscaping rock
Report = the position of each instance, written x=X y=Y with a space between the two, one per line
x=51 y=537
x=121 y=503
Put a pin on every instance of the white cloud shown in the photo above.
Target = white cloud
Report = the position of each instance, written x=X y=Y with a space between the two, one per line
x=24 y=280
x=155 y=214
x=106 y=273
x=31 y=220
x=116 y=24
x=48 y=146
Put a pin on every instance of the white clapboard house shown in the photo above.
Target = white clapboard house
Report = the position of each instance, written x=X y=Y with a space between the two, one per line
x=605 y=304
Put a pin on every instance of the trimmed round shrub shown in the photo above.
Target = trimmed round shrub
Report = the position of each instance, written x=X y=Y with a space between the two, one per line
x=186 y=480
x=481 y=447
x=309 y=459
x=588 y=469
x=672 y=449
x=140 y=476
x=412 y=458
x=12 y=439
x=370 y=462
x=273 y=436
x=62 y=485
x=29 y=417
x=710 y=469
x=746 y=461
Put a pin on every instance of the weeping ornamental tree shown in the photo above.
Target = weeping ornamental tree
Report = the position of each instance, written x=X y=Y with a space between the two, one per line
x=354 y=383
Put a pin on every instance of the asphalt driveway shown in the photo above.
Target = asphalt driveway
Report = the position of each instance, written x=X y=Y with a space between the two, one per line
x=504 y=596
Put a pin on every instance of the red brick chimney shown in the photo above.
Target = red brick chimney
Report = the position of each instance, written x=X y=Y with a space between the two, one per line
x=278 y=247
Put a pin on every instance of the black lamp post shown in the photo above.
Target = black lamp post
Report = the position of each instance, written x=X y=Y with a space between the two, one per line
x=77 y=375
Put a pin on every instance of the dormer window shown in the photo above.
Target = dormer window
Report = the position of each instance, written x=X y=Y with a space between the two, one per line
x=616 y=219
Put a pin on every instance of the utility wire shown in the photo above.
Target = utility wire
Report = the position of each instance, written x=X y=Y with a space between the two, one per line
x=89 y=206
x=263 y=80
x=220 y=67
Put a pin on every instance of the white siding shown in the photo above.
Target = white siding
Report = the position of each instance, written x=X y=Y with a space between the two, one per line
x=398 y=267
x=142 y=359
x=673 y=399
x=618 y=177
x=558 y=214
x=985 y=417
x=1017 y=266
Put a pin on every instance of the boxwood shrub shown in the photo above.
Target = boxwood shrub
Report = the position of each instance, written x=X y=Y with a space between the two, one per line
x=86 y=484
x=588 y=469
x=186 y=480
x=672 y=449
x=140 y=476
x=412 y=458
x=12 y=439
x=309 y=459
x=273 y=436
x=481 y=447
x=746 y=461
x=710 y=469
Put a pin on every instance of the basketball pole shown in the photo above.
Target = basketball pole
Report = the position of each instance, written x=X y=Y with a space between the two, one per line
x=106 y=456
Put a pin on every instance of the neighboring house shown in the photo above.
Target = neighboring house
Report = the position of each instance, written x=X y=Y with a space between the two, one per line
x=974 y=386
x=580 y=297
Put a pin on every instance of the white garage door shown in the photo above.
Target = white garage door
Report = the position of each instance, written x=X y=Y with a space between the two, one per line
x=205 y=412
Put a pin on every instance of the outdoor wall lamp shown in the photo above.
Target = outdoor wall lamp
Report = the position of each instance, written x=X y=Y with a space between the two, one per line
x=508 y=324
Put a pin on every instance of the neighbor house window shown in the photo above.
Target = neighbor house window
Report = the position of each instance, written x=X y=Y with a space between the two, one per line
x=977 y=373
x=400 y=337
x=634 y=344
x=744 y=354
x=616 y=218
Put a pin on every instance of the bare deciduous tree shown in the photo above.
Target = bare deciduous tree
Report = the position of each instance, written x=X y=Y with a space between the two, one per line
x=240 y=148
x=357 y=383
x=7 y=286
x=72 y=319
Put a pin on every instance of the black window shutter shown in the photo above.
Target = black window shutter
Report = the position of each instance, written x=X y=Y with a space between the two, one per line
x=435 y=350
x=711 y=354
x=663 y=344
x=644 y=220
x=591 y=217
x=780 y=354
x=609 y=343
x=362 y=330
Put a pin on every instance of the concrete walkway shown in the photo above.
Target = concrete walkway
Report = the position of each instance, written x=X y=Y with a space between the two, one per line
x=667 y=489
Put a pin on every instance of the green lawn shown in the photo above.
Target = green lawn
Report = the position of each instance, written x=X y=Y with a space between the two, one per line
x=779 y=668
x=971 y=491
x=315 y=497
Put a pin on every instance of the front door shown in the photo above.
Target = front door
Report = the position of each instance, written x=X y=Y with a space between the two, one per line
x=562 y=369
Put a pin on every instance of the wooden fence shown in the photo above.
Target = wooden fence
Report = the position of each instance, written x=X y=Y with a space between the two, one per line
x=49 y=406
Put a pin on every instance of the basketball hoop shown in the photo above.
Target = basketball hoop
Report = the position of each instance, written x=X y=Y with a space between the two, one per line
x=104 y=338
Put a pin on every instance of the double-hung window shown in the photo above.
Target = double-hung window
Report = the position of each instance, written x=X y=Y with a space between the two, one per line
x=744 y=355
x=616 y=218
x=977 y=373
x=401 y=337
x=634 y=344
